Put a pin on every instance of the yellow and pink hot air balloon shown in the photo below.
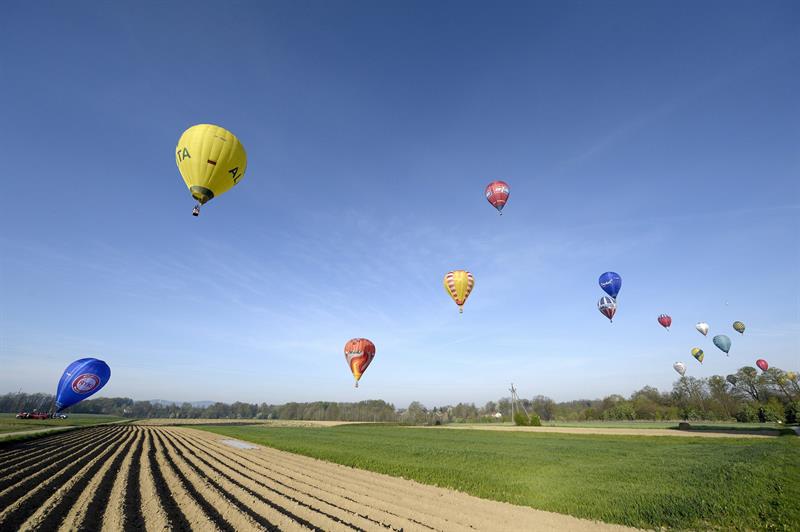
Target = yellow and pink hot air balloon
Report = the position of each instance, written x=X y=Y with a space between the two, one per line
x=359 y=352
x=459 y=284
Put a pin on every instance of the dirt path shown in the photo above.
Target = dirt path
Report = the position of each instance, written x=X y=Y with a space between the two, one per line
x=609 y=432
x=158 y=477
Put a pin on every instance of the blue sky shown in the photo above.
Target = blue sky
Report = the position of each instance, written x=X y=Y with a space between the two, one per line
x=660 y=140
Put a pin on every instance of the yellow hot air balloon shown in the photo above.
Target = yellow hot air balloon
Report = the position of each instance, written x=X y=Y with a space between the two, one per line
x=211 y=161
x=459 y=284
x=738 y=326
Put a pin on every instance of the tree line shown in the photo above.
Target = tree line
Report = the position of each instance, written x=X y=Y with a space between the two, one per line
x=746 y=396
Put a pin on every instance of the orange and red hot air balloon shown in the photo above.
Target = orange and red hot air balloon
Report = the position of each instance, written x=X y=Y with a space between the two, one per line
x=497 y=193
x=359 y=352
x=665 y=321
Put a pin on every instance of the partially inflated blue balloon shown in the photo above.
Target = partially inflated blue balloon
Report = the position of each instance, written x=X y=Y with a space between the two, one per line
x=611 y=282
x=80 y=380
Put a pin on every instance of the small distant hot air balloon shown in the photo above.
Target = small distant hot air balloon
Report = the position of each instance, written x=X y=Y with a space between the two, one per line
x=359 y=352
x=702 y=327
x=732 y=379
x=680 y=367
x=497 y=193
x=762 y=364
x=607 y=307
x=611 y=283
x=738 y=326
x=665 y=321
x=211 y=161
x=698 y=354
x=459 y=284
x=791 y=375
x=723 y=342
x=81 y=379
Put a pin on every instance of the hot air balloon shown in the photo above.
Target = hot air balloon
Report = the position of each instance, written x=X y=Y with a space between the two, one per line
x=665 y=321
x=791 y=375
x=459 y=284
x=81 y=379
x=680 y=367
x=359 y=352
x=611 y=283
x=723 y=342
x=607 y=307
x=211 y=161
x=738 y=326
x=702 y=327
x=732 y=379
x=762 y=364
x=497 y=193
x=698 y=354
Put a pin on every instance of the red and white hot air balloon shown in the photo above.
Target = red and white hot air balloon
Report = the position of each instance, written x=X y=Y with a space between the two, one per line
x=665 y=321
x=607 y=307
x=497 y=193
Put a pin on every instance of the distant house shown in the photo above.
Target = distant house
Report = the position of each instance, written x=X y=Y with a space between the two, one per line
x=497 y=415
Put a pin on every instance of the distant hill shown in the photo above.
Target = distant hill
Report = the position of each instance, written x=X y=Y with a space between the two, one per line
x=196 y=404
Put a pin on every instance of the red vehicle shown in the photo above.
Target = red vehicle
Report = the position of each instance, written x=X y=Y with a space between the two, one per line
x=33 y=415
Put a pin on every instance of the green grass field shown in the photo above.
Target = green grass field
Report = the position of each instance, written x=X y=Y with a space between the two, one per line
x=723 y=425
x=8 y=423
x=650 y=482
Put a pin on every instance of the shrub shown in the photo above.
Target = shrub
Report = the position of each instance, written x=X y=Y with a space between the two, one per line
x=535 y=421
x=792 y=412
x=772 y=412
x=520 y=419
x=748 y=413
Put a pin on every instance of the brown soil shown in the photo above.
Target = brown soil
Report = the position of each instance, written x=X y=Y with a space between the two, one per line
x=135 y=477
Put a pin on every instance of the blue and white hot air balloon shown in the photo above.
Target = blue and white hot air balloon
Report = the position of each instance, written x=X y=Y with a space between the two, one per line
x=611 y=283
x=83 y=378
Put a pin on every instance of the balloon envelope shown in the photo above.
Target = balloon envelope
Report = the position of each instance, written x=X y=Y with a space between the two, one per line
x=732 y=379
x=723 y=342
x=358 y=353
x=791 y=375
x=738 y=326
x=680 y=367
x=497 y=193
x=702 y=327
x=211 y=161
x=698 y=354
x=81 y=379
x=458 y=284
x=607 y=307
x=762 y=364
x=665 y=321
x=611 y=283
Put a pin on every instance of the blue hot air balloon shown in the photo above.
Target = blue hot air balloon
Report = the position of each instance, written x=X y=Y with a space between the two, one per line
x=611 y=282
x=80 y=380
x=723 y=342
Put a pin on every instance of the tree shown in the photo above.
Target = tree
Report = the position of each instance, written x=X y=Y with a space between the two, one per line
x=544 y=407
x=750 y=383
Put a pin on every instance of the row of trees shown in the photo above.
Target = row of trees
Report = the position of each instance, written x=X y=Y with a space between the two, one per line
x=747 y=396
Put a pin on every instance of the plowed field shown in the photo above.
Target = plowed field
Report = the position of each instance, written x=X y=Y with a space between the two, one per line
x=155 y=478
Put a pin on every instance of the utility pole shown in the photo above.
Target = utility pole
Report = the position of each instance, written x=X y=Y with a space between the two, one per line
x=515 y=399
x=513 y=394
